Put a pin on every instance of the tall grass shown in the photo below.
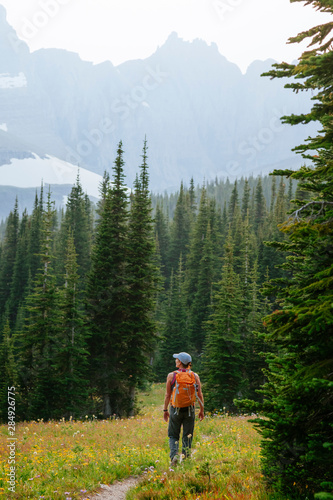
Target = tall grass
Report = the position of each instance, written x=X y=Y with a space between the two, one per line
x=69 y=459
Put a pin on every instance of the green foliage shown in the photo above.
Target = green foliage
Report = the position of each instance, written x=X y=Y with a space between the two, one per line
x=298 y=396
x=8 y=254
x=224 y=354
x=37 y=342
x=127 y=322
x=78 y=220
x=175 y=336
x=180 y=230
x=107 y=294
x=142 y=280
x=9 y=373
x=71 y=359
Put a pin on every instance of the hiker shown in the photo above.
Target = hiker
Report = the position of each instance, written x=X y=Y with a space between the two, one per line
x=183 y=387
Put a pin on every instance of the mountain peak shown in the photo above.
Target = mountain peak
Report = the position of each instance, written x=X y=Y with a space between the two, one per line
x=175 y=40
x=11 y=47
x=3 y=14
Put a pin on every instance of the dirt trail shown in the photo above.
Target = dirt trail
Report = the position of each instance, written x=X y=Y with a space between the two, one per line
x=116 y=490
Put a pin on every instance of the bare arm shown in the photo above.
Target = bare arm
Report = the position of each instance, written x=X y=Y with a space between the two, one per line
x=167 y=396
x=200 y=397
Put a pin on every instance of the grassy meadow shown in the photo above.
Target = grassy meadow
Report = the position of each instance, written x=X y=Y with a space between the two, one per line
x=70 y=459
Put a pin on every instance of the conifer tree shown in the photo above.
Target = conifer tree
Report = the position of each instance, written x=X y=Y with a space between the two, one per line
x=37 y=346
x=200 y=307
x=281 y=204
x=254 y=345
x=21 y=271
x=198 y=235
x=162 y=233
x=179 y=231
x=140 y=337
x=35 y=235
x=8 y=256
x=224 y=224
x=192 y=200
x=298 y=401
x=233 y=203
x=246 y=199
x=104 y=189
x=175 y=337
x=273 y=194
x=78 y=220
x=223 y=353
x=8 y=374
x=107 y=295
x=71 y=358
x=260 y=205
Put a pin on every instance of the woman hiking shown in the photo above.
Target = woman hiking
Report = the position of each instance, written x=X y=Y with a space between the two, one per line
x=183 y=388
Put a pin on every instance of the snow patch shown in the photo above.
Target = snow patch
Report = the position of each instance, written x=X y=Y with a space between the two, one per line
x=12 y=82
x=3 y=126
x=30 y=172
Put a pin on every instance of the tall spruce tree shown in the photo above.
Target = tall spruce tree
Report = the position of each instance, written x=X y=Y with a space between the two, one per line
x=180 y=230
x=246 y=199
x=107 y=295
x=200 y=307
x=38 y=341
x=223 y=353
x=175 y=336
x=198 y=235
x=77 y=219
x=9 y=372
x=260 y=205
x=71 y=357
x=162 y=234
x=21 y=271
x=8 y=257
x=140 y=337
x=233 y=203
x=298 y=399
x=35 y=235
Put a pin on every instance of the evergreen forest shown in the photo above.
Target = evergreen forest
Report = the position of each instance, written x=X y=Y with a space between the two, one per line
x=95 y=300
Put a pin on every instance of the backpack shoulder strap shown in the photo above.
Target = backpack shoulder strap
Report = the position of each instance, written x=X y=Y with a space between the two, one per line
x=173 y=380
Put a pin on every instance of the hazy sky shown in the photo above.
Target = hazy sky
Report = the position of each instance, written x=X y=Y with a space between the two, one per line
x=119 y=30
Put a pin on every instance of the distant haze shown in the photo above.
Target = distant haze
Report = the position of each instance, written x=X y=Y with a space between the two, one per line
x=243 y=30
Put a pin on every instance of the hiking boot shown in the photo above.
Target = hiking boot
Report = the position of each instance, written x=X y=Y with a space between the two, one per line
x=174 y=461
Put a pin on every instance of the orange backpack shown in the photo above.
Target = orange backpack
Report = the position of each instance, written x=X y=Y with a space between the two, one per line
x=184 y=391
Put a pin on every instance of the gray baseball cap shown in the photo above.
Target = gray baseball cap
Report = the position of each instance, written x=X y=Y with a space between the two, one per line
x=183 y=357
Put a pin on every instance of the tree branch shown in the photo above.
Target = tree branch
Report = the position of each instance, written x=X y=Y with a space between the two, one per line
x=295 y=215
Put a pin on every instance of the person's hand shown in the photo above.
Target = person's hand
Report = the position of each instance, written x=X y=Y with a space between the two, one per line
x=166 y=416
x=201 y=415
